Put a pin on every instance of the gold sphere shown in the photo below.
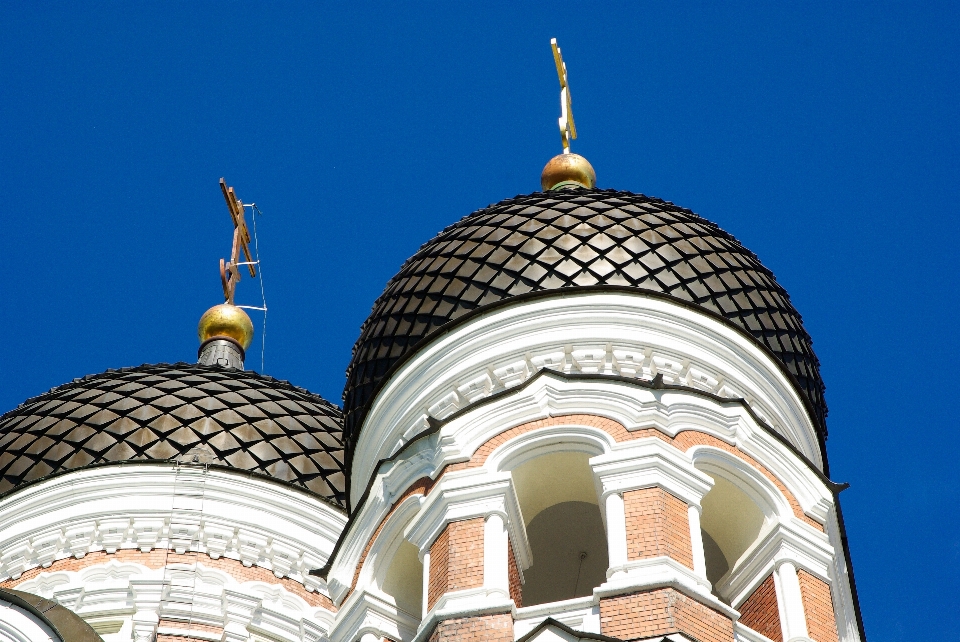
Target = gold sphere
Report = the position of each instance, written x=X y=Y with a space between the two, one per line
x=566 y=171
x=226 y=320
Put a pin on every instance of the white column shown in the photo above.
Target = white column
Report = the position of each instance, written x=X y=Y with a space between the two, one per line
x=496 y=573
x=696 y=541
x=790 y=600
x=616 y=530
x=426 y=584
x=147 y=595
x=370 y=637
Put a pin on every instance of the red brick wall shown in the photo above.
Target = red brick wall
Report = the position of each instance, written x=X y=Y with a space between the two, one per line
x=516 y=586
x=761 y=613
x=484 y=628
x=158 y=558
x=660 y=612
x=439 y=564
x=818 y=607
x=456 y=559
x=657 y=524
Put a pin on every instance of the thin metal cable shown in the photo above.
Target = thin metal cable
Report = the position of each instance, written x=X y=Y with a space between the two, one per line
x=256 y=248
x=583 y=556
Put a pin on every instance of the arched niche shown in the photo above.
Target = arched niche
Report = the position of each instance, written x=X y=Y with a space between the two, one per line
x=561 y=514
x=393 y=566
x=740 y=508
x=403 y=580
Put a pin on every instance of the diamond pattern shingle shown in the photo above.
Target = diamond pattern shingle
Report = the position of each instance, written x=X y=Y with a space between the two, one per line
x=159 y=412
x=576 y=238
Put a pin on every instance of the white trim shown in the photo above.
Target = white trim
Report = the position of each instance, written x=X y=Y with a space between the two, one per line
x=109 y=508
x=790 y=540
x=840 y=584
x=365 y=613
x=128 y=591
x=470 y=494
x=626 y=334
x=649 y=462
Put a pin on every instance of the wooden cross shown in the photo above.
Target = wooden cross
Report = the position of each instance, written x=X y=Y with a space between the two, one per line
x=568 y=130
x=229 y=274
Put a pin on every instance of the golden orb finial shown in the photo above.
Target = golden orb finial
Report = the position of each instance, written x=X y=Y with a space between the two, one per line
x=227 y=321
x=567 y=171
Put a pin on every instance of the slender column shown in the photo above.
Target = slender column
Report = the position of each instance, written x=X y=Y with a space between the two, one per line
x=616 y=530
x=496 y=573
x=696 y=541
x=426 y=584
x=790 y=600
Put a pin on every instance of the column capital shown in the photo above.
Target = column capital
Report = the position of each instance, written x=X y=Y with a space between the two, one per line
x=786 y=542
x=458 y=497
x=649 y=462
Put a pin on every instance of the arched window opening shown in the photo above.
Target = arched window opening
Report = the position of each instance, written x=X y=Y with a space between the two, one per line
x=404 y=579
x=564 y=528
x=730 y=523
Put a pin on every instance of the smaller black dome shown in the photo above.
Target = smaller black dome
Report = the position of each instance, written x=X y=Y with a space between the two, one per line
x=221 y=416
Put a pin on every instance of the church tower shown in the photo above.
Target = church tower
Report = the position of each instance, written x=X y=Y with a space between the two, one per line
x=577 y=414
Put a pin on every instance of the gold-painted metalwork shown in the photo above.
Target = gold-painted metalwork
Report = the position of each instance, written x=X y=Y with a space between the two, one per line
x=229 y=274
x=568 y=170
x=568 y=130
x=226 y=320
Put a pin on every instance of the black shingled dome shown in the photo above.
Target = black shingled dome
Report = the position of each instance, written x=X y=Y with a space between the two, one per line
x=576 y=239
x=189 y=412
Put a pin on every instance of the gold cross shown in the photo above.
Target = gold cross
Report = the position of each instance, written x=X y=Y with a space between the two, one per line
x=568 y=130
x=229 y=274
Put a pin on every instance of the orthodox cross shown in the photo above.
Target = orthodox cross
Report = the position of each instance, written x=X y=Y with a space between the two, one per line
x=229 y=272
x=568 y=130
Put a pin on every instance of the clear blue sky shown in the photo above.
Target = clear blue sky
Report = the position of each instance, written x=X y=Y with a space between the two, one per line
x=825 y=138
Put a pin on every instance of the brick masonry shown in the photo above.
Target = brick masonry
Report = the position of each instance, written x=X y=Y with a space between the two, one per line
x=818 y=607
x=761 y=613
x=158 y=558
x=456 y=559
x=657 y=524
x=485 y=628
x=516 y=584
x=661 y=612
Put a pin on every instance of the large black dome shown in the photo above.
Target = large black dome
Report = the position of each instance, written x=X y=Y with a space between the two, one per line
x=577 y=239
x=190 y=412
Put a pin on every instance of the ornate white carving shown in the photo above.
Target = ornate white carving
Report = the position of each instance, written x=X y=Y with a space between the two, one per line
x=211 y=597
x=628 y=335
x=133 y=507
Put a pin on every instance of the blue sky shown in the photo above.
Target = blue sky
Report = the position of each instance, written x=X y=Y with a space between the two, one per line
x=824 y=137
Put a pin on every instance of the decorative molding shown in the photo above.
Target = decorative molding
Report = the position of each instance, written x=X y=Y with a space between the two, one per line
x=581 y=613
x=789 y=540
x=167 y=506
x=364 y=612
x=628 y=335
x=209 y=597
x=648 y=462
x=465 y=495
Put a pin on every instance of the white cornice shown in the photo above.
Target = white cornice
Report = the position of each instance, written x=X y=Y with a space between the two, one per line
x=364 y=612
x=649 y=462
x=788 y=541
x=466 y=495
x=149 y=506
x=621 y=334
